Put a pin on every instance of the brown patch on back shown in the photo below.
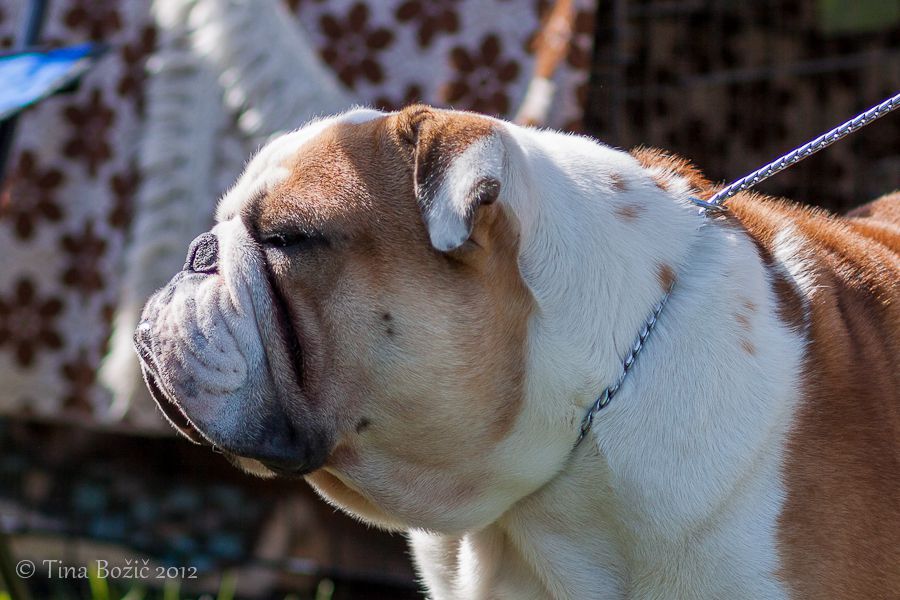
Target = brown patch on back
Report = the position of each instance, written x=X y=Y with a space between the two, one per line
x=748 y=307
x=666 y=277
x=748 y=347
x=791 y=306
x=628 y=212
x=840 y=527
x=617 y=182
x=879 y=220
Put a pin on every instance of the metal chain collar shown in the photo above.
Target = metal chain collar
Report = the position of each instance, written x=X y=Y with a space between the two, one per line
x=716 y=204
x=604 y=399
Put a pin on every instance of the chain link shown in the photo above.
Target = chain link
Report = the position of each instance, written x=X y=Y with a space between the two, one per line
x=604 y=399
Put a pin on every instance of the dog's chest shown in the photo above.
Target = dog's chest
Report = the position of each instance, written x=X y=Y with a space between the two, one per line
x=576 y=544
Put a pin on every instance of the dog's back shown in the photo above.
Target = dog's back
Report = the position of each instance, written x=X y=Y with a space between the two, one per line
x=838 y=278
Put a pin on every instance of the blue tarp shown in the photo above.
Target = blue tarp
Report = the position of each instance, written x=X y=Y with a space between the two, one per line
x=28 y=77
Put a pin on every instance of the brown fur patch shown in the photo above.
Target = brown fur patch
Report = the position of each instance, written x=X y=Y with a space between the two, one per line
x=743 y=320
x=435 y=137
x=748 y=347
x=343 y=456
x=666 y=277
x=791 y=307
x=629 y=212
x=840 y=526
x=617 y=182
x=459 y=317
x=650 y=158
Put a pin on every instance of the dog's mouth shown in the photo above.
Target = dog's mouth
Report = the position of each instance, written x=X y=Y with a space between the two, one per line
x=289 y=457
x=165 y=401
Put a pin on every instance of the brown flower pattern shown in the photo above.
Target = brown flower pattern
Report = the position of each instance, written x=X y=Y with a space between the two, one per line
x=99 y=19
x=28 y=196
x=353 y=45
x=84 y=252
x=28 y=323
x=430 y=16
x=134 y=59
x=123 y=186
x=482 y=78
x=80 y=374
x=91 y=124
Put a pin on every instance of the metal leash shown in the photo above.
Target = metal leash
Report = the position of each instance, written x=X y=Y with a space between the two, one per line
x=716 y=203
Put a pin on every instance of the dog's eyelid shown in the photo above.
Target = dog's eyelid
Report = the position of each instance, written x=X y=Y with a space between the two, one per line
x=290 y=238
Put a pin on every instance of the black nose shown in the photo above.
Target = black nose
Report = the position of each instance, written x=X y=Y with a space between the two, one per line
x=203 y=255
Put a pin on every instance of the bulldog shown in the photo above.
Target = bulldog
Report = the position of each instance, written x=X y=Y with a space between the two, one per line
x=414 y=311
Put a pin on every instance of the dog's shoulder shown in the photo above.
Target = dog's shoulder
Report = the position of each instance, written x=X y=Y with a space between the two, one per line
x=879 y=219
x=859 y=252
x=861 y=248
x=843 y=272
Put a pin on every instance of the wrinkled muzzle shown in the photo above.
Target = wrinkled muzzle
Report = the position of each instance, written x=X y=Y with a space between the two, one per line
x=221 y=359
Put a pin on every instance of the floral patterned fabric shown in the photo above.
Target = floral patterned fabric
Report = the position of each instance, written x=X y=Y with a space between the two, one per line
x=468 y=54
x=66 y=201
x=64 y=211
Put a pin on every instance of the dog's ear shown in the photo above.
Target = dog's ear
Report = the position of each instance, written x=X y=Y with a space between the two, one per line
x=458 y=166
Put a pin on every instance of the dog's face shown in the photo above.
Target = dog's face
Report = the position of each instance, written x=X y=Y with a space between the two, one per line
x=357 y=316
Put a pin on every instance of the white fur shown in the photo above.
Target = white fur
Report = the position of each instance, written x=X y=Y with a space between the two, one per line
x=680 y=496
x=792 y=260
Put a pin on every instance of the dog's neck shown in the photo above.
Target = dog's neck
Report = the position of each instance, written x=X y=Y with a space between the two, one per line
x=599 y=248
x=675 y=467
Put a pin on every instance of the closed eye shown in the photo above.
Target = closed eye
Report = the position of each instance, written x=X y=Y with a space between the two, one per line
x=294 y=239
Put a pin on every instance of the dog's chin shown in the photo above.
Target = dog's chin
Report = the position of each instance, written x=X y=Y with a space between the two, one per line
x=183 y=424
x=252 y=466
x=172 y=410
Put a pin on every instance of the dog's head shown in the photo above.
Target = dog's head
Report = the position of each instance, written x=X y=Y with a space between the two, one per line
x=358 y=316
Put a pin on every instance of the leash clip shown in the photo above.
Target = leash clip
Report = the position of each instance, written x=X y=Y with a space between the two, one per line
x=708 y=207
